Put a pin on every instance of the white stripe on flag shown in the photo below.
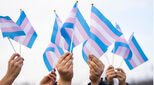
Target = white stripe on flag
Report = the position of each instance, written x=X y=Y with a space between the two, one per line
x=7 y=25
x=78 y=35
x=27 y=27
x=101 y=30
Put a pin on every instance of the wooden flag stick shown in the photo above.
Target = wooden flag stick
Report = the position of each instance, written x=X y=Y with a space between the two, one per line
x=12 y=45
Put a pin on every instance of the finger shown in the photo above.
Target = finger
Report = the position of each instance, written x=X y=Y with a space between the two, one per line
x=110 y=70
x=18 y=59
x=94 y=66
x=110 y=67
x=96 y=61
x=54 y=69
x=71 y=67
x=120 y=74
x=52 y=76
x=67 y=59
x=54 y=73
x=14 y=55
x=69 y=63
x=121 y=70
x=63 y=57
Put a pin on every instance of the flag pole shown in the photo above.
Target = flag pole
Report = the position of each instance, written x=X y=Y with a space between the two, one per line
x=20 y=43
x=12 y=45
x=72 y=36
x=113 y=55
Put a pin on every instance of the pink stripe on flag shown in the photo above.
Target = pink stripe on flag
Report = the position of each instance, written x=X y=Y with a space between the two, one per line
x=86 y=51
x=118 y=50
x=126 y=53
x=4 y=21
x=10 y=29
x=103 y=25
x=100 y=36
x=135 y=52
x=28 y=37
x=24 y=23
x=49 y=57
x=70 y=20
x=58 y=36
x=132 y=63
x=75 y=40
x=81 y=30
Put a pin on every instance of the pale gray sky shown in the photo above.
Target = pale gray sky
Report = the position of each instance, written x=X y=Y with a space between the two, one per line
x=132 y=16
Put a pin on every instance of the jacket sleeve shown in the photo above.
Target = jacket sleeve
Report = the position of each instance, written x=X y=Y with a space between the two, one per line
x=102 y=82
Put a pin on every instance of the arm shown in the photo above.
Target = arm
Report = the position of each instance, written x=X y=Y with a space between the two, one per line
x=65 y=69
x=96 y=70
x=14 y=68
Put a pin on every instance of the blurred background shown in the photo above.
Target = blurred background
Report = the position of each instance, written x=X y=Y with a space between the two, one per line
x=131 y=15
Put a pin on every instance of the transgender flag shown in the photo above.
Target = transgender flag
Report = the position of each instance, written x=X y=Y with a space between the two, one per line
x=75 y=30
x=30 y=37
x=103 y=34
x=56 y=48
x=121 y=46
x=56 y=37
x=9 y=28
x=51 y=56
x=138 y=56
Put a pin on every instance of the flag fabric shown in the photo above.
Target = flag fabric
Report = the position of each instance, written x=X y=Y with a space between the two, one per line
x=30 y=37
x=51 y=55
x=138 y=56
x=56 y=47
x=75 y=30
x=121 y=46
x=56 y=37
x=9 y=28
x=103 y=34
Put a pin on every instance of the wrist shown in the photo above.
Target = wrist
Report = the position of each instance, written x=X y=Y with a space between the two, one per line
x=63 y=82
x=96 y=82
x=7 y=80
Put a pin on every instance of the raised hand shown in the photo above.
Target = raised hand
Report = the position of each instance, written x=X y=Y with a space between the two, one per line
x=14 y=67
x=49 y=79
x=65 y=69
x=96 y=69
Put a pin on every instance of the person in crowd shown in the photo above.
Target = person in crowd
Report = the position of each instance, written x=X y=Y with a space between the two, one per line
x=14 y=68
x=50 y=79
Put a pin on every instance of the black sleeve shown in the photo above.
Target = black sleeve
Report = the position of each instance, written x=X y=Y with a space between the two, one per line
x=101 y=83
x=55 y=83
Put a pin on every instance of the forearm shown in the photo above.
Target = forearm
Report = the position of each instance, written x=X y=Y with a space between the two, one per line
x=7 y=80
x=63 y=82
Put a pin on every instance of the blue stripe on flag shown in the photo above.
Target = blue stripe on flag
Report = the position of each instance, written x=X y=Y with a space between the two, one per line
x=54 y=32
x=128 y=64
x=130 y=55
x=31 y=41
x=50 y=49
x=61 y=51
x=118 y=44
x=99 y=42
x=21 y=18
x=85 y=57
x=5 y=17
x=106 y=21
x=13 y=34
x=83 y=22
x=75 y=5
x=67 y=38
x=139 y=49
x=47 y=62
x=68 y=25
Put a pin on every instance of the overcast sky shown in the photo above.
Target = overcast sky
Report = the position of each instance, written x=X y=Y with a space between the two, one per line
x=132 y=16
